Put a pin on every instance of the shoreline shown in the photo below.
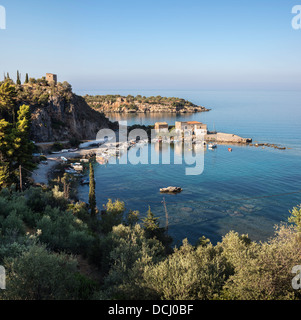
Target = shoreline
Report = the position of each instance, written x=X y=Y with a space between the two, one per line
x=42 y=173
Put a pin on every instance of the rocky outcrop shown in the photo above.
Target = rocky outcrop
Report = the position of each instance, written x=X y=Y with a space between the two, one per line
x=63 y=118
x=171 y=190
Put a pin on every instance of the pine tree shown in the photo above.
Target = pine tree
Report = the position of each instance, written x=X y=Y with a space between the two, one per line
x=8 y=99
x=7 y=153
x=152 y=229
x=25 y=146
x=15 y=148
x=92 y=197
x=150 y=223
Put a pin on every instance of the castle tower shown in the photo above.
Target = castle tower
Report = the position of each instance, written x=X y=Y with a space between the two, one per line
x=50 y=77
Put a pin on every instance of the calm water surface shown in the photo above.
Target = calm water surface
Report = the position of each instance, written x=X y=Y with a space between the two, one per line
x=249 y=190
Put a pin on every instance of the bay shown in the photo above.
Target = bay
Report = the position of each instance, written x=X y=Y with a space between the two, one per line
x=248 y=190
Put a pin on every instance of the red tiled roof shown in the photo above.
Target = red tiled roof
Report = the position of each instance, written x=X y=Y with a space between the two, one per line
x=194 y=122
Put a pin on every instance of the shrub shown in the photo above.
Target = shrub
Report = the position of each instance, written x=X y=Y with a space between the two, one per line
x=189 y=273
x=61 y=231
x=40 y=275
x=127 y=252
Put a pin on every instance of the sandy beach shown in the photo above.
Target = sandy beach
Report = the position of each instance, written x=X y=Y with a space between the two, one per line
x=42 y=173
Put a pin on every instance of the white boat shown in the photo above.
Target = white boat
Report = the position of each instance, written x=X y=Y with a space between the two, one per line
x=85 y=181
x=75 y=164
x=212 y=146
x=71 y=171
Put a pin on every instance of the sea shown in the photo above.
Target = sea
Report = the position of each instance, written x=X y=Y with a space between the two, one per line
x=250 y=190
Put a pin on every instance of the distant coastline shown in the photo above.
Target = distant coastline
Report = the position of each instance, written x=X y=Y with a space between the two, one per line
x=141 y=104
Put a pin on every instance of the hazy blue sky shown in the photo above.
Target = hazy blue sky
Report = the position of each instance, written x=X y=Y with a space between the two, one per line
x=165 y=44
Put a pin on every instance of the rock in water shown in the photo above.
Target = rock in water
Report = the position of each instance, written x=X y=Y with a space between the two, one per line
x=171 y=190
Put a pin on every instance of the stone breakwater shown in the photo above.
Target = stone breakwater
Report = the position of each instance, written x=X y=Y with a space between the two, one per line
x=228 y=138
x=268 y=145
x=221 y=137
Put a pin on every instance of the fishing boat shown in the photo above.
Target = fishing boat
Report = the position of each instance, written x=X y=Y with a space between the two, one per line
x=212 y=146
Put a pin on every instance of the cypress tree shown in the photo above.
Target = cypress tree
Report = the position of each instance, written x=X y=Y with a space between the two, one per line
x=18 y=78
x=26 y=78
x=92 y=197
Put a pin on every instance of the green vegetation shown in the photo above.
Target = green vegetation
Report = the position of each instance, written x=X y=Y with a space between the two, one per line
x=92 y=197
x=130 y=103
x=55 y=247
x=18 y=78
x=15 y=147
x=45 y=238
x=36 y=92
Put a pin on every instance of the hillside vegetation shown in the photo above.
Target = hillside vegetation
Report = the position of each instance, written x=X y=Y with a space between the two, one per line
x=141 y=104
x=54 y=249
x=56 y=112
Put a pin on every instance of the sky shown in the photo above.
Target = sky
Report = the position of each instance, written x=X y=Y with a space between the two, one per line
x=166 y=44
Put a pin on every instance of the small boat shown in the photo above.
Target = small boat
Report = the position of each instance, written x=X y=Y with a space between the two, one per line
x=212 y=146
x=71 y=171
x=85 y=181
x=230 y=149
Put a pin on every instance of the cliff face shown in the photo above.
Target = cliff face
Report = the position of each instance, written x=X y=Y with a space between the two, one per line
x=64 y=118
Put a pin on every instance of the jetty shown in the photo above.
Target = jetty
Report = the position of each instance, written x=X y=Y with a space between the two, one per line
x=221 y=137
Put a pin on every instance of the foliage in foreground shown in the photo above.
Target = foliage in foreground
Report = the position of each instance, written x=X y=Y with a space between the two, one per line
x=44 y=238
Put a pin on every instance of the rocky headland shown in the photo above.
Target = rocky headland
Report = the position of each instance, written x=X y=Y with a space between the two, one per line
x=59 y=114
x=141 y=104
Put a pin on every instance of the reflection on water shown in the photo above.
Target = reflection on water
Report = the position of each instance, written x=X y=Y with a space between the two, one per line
x=148 y=118
x=229 y=194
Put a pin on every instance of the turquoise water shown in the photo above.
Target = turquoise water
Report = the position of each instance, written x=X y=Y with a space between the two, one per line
x=248 y=190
